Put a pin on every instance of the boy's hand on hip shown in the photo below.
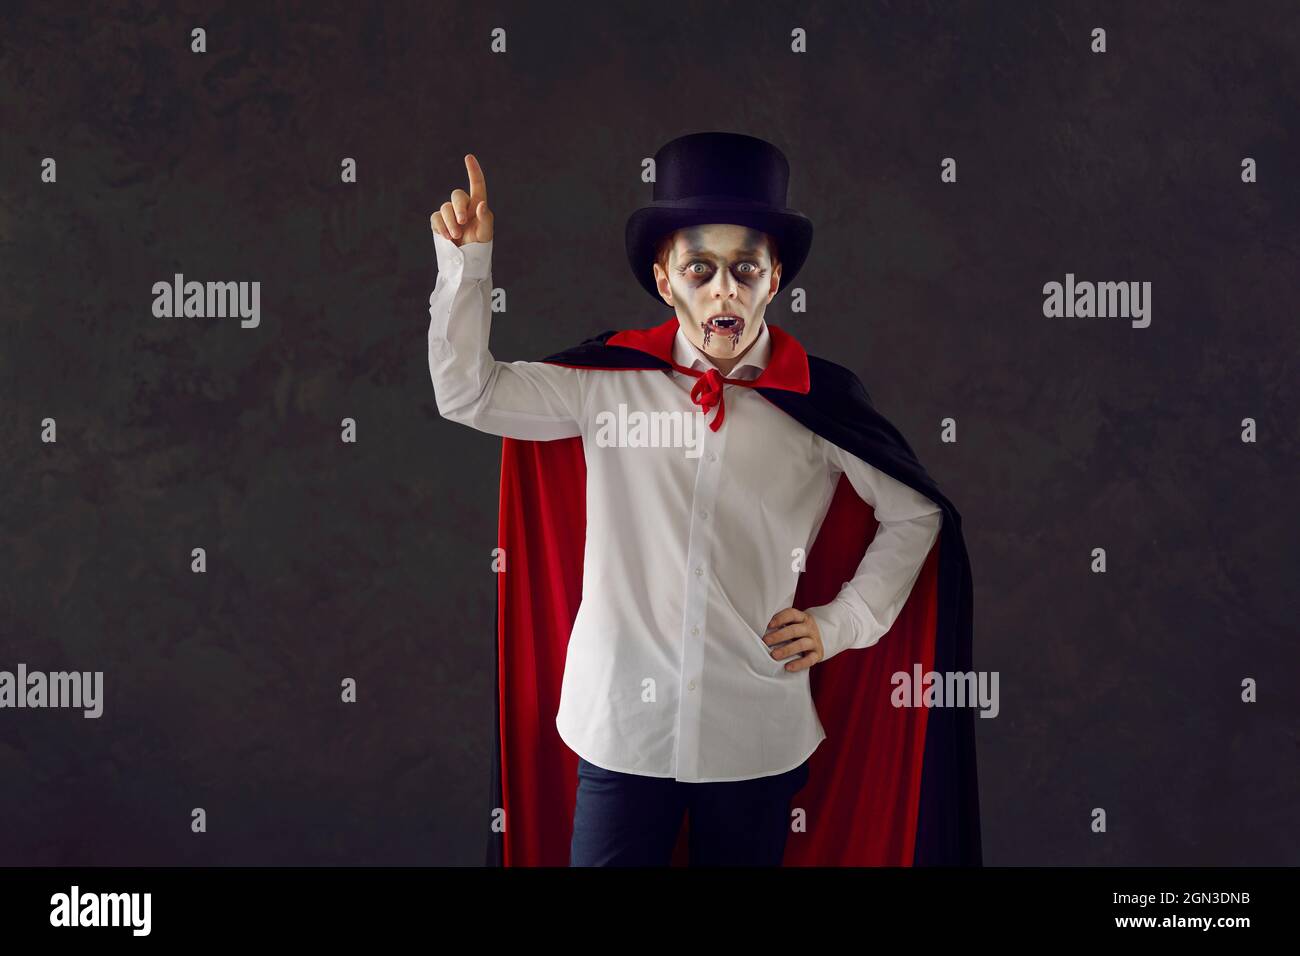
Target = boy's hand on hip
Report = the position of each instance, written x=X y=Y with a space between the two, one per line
x=802 y=627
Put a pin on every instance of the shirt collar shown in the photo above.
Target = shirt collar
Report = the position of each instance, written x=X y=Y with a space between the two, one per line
x=783 y=363
x=685 y=352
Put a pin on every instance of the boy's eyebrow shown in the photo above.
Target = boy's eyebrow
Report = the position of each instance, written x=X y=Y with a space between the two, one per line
x=750 y=253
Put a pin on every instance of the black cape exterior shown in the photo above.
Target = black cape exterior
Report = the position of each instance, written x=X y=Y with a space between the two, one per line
x=926 y=754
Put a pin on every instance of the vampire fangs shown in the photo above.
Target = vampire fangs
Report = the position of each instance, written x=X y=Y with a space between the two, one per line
x=724 y=323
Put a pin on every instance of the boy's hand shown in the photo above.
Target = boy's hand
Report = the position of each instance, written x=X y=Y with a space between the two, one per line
x=465 y=217
x=794 y=623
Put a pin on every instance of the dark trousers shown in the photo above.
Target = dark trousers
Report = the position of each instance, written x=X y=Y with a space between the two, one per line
x=626 y=819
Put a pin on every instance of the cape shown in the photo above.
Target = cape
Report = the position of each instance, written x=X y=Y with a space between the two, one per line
x=889 y=786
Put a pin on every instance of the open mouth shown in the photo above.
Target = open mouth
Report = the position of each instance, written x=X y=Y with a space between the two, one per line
x=727 y=325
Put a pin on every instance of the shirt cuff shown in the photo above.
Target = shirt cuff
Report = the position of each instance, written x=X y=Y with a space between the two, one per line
x=835 y=622
x=473 y=260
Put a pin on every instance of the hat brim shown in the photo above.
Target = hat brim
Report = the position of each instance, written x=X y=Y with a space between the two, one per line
x=647 y=225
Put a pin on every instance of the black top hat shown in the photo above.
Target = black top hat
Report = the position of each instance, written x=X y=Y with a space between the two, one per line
x=718 y=177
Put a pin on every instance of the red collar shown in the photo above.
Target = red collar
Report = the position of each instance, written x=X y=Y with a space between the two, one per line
x=787 y=366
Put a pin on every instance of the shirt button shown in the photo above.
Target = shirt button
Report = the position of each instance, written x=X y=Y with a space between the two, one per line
x=695 y=629
x=712 y=456
x=699 y=571
x=704 y=513
x=691 y=685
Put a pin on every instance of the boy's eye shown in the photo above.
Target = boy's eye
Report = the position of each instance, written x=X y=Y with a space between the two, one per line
x=705 y=267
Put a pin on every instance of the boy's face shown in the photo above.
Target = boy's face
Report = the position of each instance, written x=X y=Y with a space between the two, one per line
x=719 y=279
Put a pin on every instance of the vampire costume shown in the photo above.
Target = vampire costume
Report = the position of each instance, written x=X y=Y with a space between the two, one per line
x=890 y=785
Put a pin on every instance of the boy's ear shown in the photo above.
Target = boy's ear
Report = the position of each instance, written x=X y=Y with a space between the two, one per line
x=661 y=283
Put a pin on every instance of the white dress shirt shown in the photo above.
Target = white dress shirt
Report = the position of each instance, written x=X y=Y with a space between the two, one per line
x=686 y=557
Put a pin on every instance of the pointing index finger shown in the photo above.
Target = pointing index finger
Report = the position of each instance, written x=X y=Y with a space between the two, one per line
x=477 y=184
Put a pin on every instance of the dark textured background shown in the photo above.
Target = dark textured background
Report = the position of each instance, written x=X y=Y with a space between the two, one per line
x=372 y=560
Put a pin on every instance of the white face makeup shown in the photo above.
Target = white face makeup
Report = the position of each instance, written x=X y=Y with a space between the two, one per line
x=719 y=279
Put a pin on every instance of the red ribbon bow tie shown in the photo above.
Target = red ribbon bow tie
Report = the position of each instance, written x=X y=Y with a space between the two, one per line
x=707 y=391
